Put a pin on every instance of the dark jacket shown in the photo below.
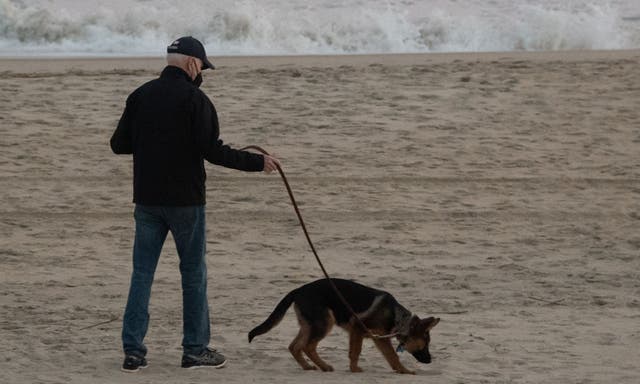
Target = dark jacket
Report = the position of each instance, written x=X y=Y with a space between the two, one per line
x=170 y=126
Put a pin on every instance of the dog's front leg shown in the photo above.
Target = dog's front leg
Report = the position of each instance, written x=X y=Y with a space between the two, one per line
x=355 y=347
x=385 y=346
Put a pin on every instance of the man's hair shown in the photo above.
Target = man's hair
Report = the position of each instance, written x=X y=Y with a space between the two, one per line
x=177 y=59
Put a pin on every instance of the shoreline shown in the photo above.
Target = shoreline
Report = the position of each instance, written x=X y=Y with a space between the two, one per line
x=64 y=64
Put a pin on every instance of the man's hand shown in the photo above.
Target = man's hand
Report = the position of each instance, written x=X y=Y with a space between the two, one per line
x=270 y=164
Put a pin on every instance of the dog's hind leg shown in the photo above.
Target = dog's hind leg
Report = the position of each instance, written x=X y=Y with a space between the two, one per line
x=300 y=342
x=318 y=331
x=311 y=351
x=297 y=346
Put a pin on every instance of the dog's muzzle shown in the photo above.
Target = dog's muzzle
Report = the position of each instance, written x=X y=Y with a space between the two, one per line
x=422 y=356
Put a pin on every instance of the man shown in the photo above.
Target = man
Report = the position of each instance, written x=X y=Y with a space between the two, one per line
x=170 y=126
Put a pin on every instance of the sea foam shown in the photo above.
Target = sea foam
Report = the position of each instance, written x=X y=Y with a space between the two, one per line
x=126 y=27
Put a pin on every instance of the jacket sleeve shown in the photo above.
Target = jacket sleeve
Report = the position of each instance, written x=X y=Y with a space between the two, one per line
x=207 y=131
x=122 y=139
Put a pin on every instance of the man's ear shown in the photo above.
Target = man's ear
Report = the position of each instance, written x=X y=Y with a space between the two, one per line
x=192 y=65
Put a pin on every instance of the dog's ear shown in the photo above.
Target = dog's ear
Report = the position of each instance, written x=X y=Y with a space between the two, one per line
x=429 y=323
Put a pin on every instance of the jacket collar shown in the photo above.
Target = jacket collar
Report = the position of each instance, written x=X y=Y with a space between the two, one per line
x=171 y=71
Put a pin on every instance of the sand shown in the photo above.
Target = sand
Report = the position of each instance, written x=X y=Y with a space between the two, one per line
x=499 y=192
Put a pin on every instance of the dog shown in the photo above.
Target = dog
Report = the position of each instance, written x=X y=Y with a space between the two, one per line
x=318 y=308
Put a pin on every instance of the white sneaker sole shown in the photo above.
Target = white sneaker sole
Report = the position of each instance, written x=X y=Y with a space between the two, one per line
x=133 y=370
x=209 y=366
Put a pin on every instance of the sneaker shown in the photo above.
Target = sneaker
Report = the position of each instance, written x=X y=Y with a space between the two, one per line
x=133 y=363
x=208 y=358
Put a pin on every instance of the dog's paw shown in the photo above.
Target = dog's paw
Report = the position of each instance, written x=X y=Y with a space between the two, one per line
x=327 y=368
x=356 y=369
x=310 y=368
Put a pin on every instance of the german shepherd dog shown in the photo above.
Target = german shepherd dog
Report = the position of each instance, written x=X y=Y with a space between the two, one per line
x=318 y=308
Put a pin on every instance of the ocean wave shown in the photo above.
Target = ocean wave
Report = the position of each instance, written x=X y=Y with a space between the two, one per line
x=280 y=27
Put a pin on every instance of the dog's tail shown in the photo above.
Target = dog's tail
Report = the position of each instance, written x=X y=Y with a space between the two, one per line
x=275 y=317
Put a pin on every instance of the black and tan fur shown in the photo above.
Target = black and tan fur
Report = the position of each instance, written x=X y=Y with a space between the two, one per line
x=318 y=308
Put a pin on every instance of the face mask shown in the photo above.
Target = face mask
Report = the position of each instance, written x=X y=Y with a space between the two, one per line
x=198 y=80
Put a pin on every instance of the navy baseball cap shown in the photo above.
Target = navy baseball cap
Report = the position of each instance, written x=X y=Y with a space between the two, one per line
x=190 y=46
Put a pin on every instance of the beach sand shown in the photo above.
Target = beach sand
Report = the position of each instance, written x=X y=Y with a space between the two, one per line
x=499 y=192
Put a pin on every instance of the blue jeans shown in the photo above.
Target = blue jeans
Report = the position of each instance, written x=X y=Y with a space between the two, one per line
x=187 y=225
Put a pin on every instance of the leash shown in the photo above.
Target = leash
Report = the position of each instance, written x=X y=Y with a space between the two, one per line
x=313 y=249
